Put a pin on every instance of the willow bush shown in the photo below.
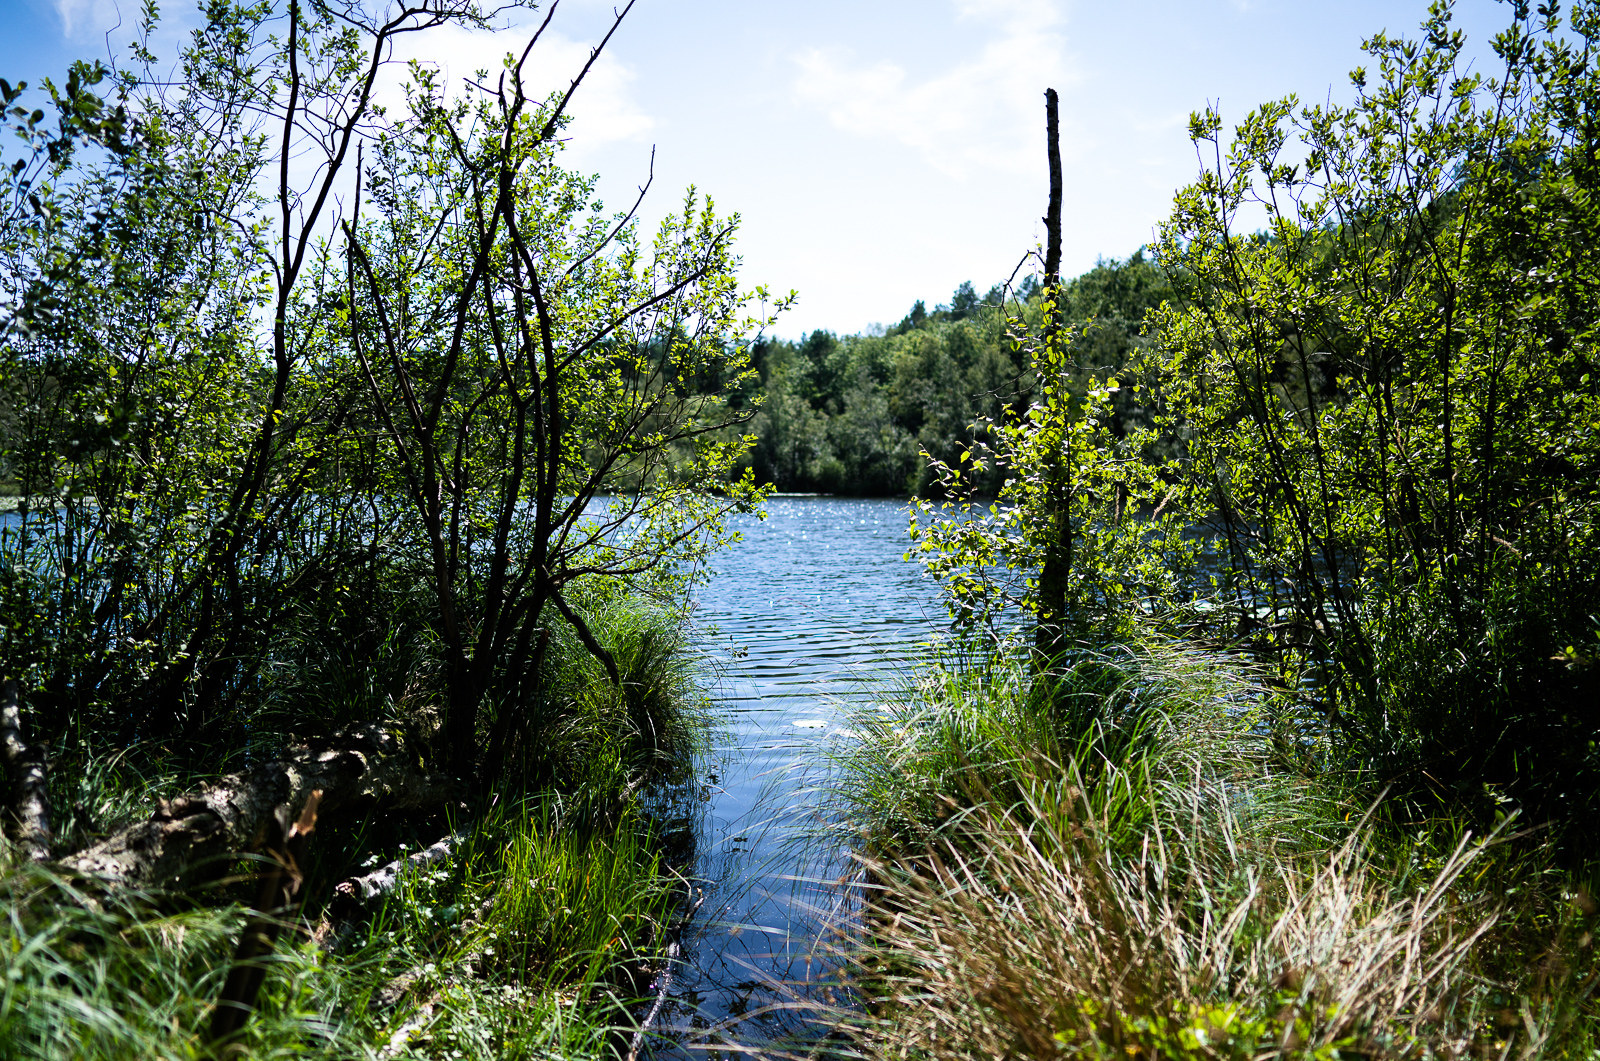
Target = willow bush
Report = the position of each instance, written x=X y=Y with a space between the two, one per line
x=1387 y=401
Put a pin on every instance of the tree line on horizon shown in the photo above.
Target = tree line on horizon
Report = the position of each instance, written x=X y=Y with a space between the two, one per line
x=860 y=414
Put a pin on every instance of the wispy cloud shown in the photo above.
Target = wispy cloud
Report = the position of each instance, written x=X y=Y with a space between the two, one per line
x=980 y=114
x=605 y=108
x=1015 y=15
x=81 y=19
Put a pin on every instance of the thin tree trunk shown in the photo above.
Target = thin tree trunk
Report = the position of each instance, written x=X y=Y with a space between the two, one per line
x=275 y=900
x=1057 y=562
x=28 y=823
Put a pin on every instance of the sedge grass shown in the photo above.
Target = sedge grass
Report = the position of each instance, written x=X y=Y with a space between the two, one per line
x=586 y=733
x=1034 y=936
x=517 y=947
x=126 y=976
x=572 y=901
x=1131 y=874
x=968 y=730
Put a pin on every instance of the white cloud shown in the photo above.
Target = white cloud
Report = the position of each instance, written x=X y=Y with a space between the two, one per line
x=1016 y=15
x=604 y=107
x=81 y=19
x=983 y=113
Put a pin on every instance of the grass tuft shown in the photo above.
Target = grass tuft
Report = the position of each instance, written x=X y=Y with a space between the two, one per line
x=1121 y=866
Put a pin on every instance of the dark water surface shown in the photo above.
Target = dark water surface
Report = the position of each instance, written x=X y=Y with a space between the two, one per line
x=811 y=613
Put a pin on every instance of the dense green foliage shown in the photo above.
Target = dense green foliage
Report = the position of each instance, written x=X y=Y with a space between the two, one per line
x=860 y=414
x=1363 y=460
x=248 y=401
x=1083 y=473
x=1389 y=399
x=518 y=946
x=320 y=417
x=1371 y=424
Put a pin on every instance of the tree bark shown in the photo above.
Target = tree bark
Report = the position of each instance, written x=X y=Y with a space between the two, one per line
x=1057 y=562
x=358 y=891
x=1052 y=217
x=275 y=899
x=28 y=823
x=193 y=837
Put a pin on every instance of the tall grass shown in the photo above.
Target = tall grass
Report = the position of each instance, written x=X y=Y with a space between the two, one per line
x=126 y=976
x=971 y=730
x=570 y=903
x=1036 y=936
x=585 y=731
x=1119 y=866
x=528 y=941
x=520 y=945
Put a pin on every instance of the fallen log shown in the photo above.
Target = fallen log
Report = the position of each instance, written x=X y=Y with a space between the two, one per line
x=193 y=837
x=28 y=809
x=358 y=891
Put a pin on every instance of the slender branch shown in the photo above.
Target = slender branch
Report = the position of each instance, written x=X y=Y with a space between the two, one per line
x=586 y=635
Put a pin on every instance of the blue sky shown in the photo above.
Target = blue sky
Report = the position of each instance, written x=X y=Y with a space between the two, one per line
x=882 y=151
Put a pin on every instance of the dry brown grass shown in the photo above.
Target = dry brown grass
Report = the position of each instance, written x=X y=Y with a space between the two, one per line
x=1032 y=937
x=1181 y=896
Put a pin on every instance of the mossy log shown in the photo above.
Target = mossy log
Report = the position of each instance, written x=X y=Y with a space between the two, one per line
x=194 y=837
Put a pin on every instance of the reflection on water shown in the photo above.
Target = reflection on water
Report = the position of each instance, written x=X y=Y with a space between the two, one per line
x=808 y=614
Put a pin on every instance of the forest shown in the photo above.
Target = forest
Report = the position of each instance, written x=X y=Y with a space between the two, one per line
x=361 y=467
x=857 y=414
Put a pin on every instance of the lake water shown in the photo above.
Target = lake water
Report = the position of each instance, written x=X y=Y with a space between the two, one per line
x=814 y=611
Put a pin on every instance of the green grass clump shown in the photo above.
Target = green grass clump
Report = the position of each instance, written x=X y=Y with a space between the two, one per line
x=121 y=976
x=969 y=730
x=1120 y=866
x=578 y=731
x=524 y=942
x=531 y=939
x=570 y=903
x=520 y=944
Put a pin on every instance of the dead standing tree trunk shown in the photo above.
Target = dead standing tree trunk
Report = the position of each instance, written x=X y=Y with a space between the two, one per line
x=1049 y=630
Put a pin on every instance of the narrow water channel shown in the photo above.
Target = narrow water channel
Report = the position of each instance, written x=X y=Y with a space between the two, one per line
x=813 y=612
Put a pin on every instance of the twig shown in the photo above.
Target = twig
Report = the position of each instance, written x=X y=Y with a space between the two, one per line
x=666 y=983
x=661 y=999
